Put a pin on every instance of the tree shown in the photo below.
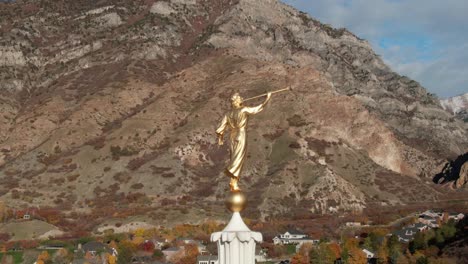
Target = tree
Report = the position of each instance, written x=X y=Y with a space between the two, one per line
x=419 y=242
x=157 y=254
x=275 y=251
x=138 y=240
x=62 y=256
x=422 y=260
x=335 y=248
x=394 y=249
x=111 y=259
x=44 y=257
x=302 y=256
x=368 y=243
x=299 y=258
x=439 y=237
x=188 y=256
x=382 y=254
x=448 y=230
x=147 y=246
x=356 y=256
x=139 y=232
x=126 y=249
x=322 y=254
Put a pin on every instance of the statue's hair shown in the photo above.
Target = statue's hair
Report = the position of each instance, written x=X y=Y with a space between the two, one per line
x=236 y=96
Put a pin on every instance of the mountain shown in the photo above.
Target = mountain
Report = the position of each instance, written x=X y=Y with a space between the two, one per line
x=109 y=109
x=457 y=105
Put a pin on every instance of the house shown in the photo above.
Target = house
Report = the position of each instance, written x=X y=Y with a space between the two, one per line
x=95 y=248
x=456 y=216
x=431 y=221
x=371 y=258
x=207 y=259
x=292 y=237
x=368 y=253
x=353 y=224
x=201 y=247
x=420 y=227
x=159 y=242
x=186 y=240
x=432 y=214
x=260 y=255
x=408 y=232
x=143 y=259
x=171 y=252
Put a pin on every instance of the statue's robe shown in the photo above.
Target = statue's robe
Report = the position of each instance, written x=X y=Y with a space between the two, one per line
x=236 y=122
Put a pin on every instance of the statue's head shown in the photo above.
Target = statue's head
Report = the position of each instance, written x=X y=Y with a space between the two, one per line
x=236 y=100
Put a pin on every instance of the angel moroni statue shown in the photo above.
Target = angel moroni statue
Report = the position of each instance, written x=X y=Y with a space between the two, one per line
x=236 y=121
x=236 y=243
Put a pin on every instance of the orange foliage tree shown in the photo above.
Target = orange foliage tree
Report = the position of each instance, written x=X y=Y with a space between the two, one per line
x=43 y=258
x=336 y=249
x=187 y=256
x=299 y=258
x=356 y=256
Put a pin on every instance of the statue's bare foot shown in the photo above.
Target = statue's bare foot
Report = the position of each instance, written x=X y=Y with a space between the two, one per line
x=234 y=184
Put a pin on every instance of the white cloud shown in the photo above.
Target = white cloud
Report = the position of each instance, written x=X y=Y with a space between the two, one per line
x=435 y=31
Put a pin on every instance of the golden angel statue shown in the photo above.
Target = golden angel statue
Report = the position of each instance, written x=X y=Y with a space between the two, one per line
x=236 y=121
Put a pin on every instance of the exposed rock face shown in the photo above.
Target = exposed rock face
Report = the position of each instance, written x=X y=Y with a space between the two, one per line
x=457 y=105
x=463 y=176
x=115 y=106
x=455 y=171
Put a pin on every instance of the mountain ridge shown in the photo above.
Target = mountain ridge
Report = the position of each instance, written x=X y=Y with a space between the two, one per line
x=457 y=105
x=112 y=114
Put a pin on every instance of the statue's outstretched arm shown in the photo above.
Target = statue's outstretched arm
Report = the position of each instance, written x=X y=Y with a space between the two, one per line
x=257 y=109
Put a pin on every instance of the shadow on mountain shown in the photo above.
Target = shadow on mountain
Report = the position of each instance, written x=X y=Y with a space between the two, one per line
x=451 y=170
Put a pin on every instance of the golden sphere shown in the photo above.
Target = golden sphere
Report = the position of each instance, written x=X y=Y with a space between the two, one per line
x=236 y=201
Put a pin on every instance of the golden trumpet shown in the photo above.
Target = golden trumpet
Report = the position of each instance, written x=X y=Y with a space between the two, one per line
x=277 y=91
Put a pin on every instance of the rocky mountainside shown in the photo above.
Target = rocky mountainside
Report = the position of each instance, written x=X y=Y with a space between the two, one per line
x=111 y=105
x=457 y=105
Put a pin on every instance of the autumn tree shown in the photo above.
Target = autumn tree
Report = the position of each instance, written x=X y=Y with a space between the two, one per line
x=302 y=256
x=382 y=254
x=275 y=251
x=348 y=245
x=147 y=246
x=138 y=240
x=62 y=256
x=299 y=258
x=356 y=256
x=111 y=259
x=139 y=232
x=188 y=255
x=44 y=258
x=322 y=254
x=336 y=249
x=126 y=249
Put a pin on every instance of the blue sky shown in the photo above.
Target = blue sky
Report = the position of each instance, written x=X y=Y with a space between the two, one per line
x=426 y=40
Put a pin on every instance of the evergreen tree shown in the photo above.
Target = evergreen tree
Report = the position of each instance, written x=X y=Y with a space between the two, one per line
x=394 y=249
x=419 y=242
x=422 y=260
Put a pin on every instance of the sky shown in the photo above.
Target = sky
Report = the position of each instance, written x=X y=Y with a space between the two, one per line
x=426 y=40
